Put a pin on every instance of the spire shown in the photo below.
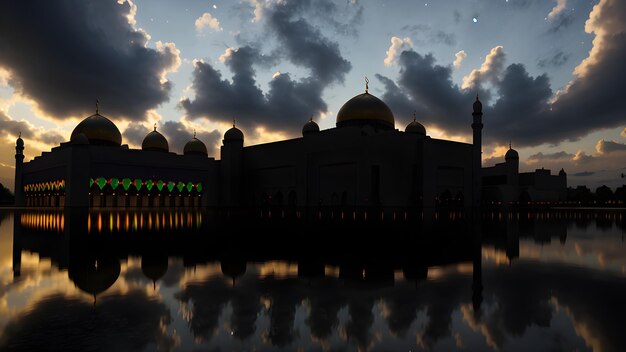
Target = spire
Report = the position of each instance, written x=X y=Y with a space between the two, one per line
x=19 y=135
x=234 y=123
x=367 y=82
x=155 y=126
x=194 y=133
x=414 y=117
x=311 y=118
x=97 y=106
x=510 y=144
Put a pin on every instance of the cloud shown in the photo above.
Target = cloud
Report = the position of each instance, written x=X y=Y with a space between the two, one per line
x=207 y=20
x=561 y=21
x=458 y=58
x=10 y=127
x=623 y=133
x=430 y=35
x=525 y=108
x=583 y=174
x=288 y=102
x=93 y=52
x=607 y=147
x=551 y=157
x=557 y=9
x=557 y=60
x=489 y=71
x=397 y=45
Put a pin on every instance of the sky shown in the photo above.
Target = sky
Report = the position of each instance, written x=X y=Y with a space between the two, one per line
x=550 y=73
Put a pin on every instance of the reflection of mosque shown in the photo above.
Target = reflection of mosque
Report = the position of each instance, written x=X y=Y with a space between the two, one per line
x=360 y=282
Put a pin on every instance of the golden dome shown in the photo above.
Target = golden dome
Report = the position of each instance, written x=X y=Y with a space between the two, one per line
x=155 y=141
x=99 y=130
x=365 y=109
x=195 y=146
x=415 y=127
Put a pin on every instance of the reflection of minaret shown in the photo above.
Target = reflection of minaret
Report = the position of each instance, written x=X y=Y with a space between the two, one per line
x=477 y=270
x=17 y=245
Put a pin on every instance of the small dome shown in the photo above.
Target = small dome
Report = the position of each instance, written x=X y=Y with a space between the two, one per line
x=19 y=142
x=415 y=127
x=310 y=127
x=511 y=154
x=478 y=106
x=195 y=146
x=155 y=141
x=365 y=109
x=80 y=139
x=233 y=134
x=99 y=130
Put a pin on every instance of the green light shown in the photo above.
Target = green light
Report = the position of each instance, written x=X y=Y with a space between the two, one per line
x=138 y=183
x=114 y=183
x=149 y=185
x=126 y=183
x=199 y=187
x=180 y=186
x=90 y=182
x=189 y=186
x=170 y=186
x=159 y=185
x=101 y=182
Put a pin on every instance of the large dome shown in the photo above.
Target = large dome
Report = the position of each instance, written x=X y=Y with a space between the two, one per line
x=365 y=109
x=155 y=141
x=99 y=130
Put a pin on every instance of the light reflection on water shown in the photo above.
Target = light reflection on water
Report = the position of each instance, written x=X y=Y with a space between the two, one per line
x=184 y=280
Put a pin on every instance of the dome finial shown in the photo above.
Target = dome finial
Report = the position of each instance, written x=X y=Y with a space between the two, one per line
x=194 y=133
x=510 y=144
x=234 y=122
x=19 y=135
x=367 y=82
x=97 y=106
x=155 y=126
x=414 y=115
x=477 y=97
x=311 y=118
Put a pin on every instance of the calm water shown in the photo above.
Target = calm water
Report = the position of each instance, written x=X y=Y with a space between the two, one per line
x=182 y=281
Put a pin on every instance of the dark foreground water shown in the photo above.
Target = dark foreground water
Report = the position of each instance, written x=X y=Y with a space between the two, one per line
x=133 y=281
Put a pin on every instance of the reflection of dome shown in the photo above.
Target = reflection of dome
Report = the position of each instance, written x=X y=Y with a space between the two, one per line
x=195 y=146
x=80 y=138
x=478 y=106
x=94 y=275
x=99 y=130
x=233 y=268
x=310 y=127
x=365 y=109
x=415 y=127
x=155 y=141
x=233 y=134
x=154 y=267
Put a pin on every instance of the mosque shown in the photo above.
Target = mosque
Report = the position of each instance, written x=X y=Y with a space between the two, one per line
x=363 y=162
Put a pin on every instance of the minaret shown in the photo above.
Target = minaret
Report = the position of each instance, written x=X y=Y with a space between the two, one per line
x=19 y=161
x=231 y=165
x=477 y=128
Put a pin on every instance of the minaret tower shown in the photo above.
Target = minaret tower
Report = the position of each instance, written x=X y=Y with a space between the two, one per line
x=19 y=161
x=477 y=128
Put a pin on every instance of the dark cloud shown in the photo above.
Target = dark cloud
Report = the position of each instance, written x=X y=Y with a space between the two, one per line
x=65 y=54
x=606 y=147
x=561 y=21
x=526 y=109
x=135 y=133
x=558 y=156
x=425 y=33
x=288 y=102
x=12 y=127
x=584 y=174
x=119 y=323
x=557 y=60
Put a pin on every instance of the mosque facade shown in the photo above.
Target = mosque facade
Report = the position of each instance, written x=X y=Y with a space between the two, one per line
x=363 y=162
